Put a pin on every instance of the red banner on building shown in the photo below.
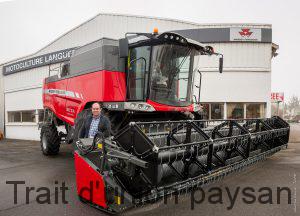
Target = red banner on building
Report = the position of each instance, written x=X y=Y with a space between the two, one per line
x=277 y=97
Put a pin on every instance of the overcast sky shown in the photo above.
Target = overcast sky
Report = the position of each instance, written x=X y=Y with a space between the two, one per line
x=28 y=25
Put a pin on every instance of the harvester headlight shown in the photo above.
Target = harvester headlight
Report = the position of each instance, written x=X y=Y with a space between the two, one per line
x=138 y=106
x=173 y=37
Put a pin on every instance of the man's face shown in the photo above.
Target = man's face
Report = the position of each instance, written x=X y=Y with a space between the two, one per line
x=96 y=109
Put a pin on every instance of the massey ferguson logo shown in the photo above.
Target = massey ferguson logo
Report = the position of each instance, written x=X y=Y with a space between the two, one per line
x=245 y=32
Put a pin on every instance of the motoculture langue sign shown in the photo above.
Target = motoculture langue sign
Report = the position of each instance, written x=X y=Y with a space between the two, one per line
x=38 y=61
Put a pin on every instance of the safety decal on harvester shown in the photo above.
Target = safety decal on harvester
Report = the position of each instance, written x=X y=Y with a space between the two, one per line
x=63 y=93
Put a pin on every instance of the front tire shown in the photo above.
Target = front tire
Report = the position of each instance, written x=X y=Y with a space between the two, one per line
x=50 y=140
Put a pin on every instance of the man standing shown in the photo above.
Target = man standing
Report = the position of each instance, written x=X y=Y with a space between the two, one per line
x=96 y=123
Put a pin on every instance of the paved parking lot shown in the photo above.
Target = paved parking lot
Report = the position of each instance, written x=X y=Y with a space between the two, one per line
x=23 y=161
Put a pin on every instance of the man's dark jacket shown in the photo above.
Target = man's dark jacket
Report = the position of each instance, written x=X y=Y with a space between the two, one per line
x=104 y=126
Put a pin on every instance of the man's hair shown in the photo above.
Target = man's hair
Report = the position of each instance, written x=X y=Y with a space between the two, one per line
x=100 y=104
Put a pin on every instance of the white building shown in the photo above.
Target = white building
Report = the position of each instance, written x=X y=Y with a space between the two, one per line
x=242 y=90
x=1 y=104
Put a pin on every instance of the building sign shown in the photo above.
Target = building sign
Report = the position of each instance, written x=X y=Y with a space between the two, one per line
x=245 y=34
x=38 y=61
x=277 y=97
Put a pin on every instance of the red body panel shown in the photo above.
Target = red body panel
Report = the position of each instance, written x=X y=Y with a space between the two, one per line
x=104 y=86
x=67 y=97
x=90 y=184
x=56 y=102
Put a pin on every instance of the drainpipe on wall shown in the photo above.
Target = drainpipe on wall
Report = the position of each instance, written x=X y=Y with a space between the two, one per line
x=225 y=110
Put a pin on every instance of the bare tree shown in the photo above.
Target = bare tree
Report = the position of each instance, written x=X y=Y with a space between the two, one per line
x=293 y=105
x=294 y=102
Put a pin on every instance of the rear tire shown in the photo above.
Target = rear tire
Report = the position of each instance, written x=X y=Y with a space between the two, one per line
x=50 y=141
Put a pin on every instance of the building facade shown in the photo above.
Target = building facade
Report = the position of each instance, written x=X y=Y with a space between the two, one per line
x=1 y=103
x=241 y=91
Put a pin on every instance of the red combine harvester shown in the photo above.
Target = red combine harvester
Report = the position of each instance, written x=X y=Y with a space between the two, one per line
x=159 y=145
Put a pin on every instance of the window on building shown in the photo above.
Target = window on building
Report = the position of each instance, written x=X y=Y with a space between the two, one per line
x=14 y=116
x=205 y=111
x=255 y=110
x=235 y=110
x=21 y=116
x=41 y=115
x=28 y=116
x=217 y=111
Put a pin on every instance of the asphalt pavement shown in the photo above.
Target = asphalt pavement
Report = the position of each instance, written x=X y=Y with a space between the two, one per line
x=22 y=162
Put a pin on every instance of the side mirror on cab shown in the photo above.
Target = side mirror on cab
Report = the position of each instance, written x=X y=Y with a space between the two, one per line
x=65 y=69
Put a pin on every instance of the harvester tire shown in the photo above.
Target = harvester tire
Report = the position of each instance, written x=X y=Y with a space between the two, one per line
x=50 y=140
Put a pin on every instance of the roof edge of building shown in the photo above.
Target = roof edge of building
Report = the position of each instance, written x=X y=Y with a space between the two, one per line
x=139 y=16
